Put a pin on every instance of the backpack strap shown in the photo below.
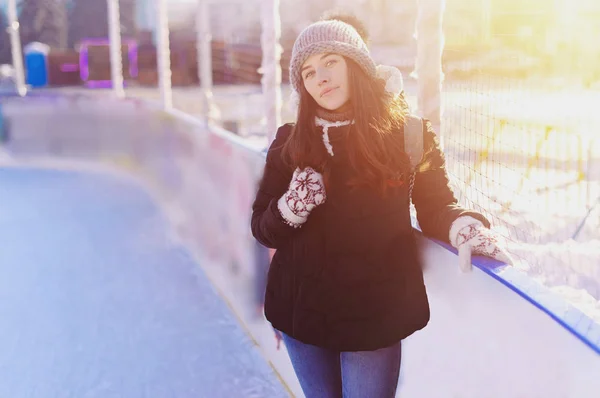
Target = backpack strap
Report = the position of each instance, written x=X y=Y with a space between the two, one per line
x=413 y=139
x=413 y=146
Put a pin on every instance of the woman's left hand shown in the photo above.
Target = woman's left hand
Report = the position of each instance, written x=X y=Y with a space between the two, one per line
x=470 y=236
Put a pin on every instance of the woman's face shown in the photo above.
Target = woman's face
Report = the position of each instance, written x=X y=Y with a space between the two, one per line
x=325 y=77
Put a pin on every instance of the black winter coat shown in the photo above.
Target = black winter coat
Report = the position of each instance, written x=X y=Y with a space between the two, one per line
x=350 y=279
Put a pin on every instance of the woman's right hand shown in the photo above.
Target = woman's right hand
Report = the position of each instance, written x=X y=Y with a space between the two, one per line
x=305 y=192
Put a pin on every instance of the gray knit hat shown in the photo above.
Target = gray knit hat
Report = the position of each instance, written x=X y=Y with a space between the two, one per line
x=329 y=36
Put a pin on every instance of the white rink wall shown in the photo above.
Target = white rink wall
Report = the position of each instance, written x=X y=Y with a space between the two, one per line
x=495 y=332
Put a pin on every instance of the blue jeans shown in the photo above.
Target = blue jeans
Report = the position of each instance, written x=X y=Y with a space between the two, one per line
x=332 y=374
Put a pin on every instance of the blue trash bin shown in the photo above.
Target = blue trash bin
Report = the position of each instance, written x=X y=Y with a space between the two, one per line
x=36 y=64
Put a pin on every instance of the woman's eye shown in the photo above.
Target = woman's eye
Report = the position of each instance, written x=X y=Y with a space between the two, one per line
x=331 y=62
x=309 y=74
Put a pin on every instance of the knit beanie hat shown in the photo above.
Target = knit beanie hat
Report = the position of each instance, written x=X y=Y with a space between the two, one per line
x=332 y=36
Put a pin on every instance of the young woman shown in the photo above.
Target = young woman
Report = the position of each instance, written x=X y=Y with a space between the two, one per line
x=345 y=286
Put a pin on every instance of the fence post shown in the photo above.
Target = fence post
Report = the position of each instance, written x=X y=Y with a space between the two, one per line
x=486 y=21
x=429 y=61
x=271 y=68
x=204 y=53
x=164 y=55
x=114 y=35
x=15 y=44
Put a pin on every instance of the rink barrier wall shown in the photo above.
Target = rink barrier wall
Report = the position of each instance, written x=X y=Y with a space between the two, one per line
x=206 y=179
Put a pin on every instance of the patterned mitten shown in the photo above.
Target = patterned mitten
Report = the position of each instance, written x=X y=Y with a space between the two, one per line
x=306 y=191
x=470 y=236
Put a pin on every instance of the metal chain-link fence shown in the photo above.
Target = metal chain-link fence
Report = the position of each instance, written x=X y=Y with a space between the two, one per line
x=520 y=128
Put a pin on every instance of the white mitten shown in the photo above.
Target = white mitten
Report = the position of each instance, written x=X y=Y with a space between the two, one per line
x=306 y=191
x=470 y=236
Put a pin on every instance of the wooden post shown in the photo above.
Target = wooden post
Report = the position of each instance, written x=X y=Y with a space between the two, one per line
x=429 y=61
x=271 y=68
x=114 y=35
x=164 y=55
x=15 y=44
x=204 y=53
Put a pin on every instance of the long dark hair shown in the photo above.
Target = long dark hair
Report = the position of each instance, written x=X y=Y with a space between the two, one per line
x=375 y=147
